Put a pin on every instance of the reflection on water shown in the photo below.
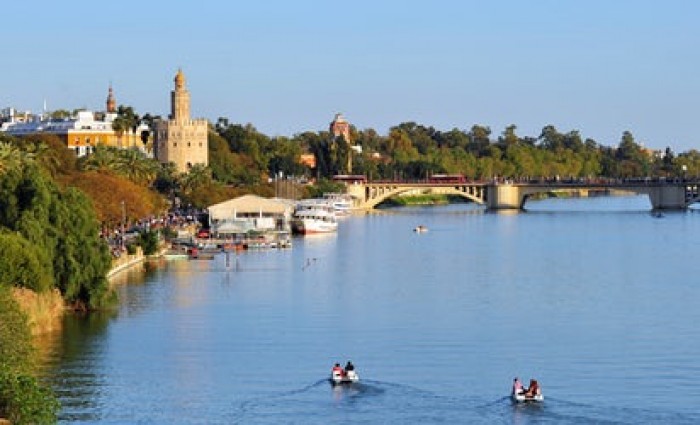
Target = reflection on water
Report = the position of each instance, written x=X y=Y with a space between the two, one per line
x=437 y=323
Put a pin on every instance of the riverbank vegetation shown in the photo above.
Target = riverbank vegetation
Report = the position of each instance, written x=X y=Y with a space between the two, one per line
x=49 y=235
x=23 y=399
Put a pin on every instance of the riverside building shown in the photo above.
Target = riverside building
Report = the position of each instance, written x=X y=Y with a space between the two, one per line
x=80 y=133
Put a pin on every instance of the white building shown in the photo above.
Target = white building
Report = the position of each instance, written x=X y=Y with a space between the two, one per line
x=80 y=133
x=250 y=213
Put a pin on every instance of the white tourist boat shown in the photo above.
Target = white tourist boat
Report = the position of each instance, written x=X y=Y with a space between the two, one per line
x=314 y=216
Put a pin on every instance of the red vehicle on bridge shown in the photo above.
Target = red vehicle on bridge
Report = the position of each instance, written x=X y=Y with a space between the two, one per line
x=447 y=178
x=350 y=179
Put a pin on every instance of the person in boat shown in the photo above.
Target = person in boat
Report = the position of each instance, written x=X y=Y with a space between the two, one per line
x=518 y=386
x=533 y=389
x=349 y=367
x=337 y=369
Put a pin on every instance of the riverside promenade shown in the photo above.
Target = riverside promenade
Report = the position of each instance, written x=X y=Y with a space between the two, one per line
x=125 y=261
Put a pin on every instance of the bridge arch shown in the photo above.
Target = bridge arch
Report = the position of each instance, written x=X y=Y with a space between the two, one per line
x=370 y=195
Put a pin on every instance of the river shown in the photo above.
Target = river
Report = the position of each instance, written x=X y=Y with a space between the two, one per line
x=596 y=298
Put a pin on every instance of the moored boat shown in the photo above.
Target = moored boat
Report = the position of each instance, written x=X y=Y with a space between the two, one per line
x=312 y=216
x=341 y=202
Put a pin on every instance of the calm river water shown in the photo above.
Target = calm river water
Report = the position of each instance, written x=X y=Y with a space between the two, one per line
x=596 y=298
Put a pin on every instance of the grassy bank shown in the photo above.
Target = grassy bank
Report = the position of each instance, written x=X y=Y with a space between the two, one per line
x=424 y=199
x=44 y=311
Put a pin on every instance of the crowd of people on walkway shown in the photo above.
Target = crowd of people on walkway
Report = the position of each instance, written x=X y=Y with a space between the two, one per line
x=121 y=235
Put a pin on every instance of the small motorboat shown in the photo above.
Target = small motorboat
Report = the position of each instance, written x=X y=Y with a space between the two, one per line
x=420 y=229
x=522 y=398
x=349 y=377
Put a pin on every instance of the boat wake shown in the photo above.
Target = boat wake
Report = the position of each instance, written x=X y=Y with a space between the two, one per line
x=370 y=401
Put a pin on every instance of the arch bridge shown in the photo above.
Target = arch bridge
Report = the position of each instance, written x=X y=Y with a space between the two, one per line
x=664 y=195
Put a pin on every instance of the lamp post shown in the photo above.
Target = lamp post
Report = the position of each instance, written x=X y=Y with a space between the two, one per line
x=123 y=221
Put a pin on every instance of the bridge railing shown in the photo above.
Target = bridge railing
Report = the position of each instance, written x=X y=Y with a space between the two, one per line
x=597 y=181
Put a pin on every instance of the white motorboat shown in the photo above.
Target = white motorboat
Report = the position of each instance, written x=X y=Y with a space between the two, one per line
x=314 y=216
x=522 y=398
x=349 y=377
x=420 y=229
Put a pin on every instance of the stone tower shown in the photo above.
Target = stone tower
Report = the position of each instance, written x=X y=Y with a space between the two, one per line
x=181 y=139
x=111 y=102
x=341 y=127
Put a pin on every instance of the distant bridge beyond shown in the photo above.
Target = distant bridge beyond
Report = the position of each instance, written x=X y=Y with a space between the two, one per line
x=664 y=195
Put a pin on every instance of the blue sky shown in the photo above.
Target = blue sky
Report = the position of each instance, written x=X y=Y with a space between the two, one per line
x=599 y=67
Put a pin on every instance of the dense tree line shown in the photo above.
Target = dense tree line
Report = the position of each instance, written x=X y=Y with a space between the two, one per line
x=414 y=151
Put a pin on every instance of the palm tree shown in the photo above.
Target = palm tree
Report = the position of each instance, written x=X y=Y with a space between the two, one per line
x=135 y=166
x=104 y=158
x=126 y=120
x=198 y=176
x=119 y=125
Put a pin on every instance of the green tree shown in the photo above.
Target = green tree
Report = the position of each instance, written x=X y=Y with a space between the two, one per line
x=149 y=241
x=19 y=264
x=82 y=259
x=285 y=157
x=479 y=139
x=551 y=139
x=60 y=114
x=633 y=162
x=509 y=138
